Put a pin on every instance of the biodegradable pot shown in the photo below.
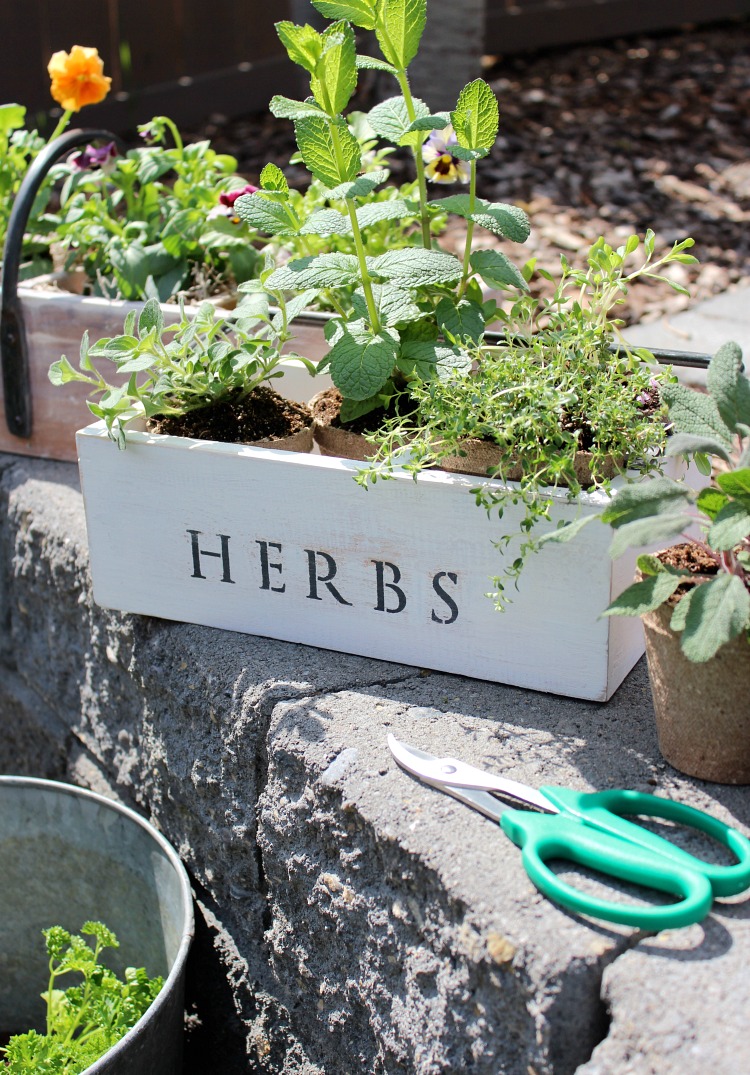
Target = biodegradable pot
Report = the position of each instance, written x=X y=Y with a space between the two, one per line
x=335 y=440
x=702 y=709
x=481 y=456
x=68 y=856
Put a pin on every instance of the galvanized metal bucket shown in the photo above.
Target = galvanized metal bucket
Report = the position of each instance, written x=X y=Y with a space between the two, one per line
x=67 y=856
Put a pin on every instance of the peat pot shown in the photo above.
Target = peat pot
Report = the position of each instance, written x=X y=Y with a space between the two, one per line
x=285 y=545
x=702 y=709
x=69 y=855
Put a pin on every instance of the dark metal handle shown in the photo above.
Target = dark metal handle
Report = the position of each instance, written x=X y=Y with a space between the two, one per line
x=14 y=357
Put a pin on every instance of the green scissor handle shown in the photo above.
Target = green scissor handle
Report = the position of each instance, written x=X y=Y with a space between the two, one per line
x=591 y=831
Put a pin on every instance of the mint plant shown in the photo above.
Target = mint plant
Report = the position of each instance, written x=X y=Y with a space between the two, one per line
x=714 y=429
x=84 y=1020
x=402 y=299
x=173 y=369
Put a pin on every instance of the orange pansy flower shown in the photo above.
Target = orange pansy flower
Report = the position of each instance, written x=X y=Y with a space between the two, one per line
x=77 y=78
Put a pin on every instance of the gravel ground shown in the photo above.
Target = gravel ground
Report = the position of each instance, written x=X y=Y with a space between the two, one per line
x=604 y=139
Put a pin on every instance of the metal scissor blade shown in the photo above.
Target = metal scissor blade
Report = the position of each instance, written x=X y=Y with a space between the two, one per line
x=458 y=778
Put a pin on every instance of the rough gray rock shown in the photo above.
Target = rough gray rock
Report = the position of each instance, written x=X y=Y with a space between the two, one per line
x=350 y=918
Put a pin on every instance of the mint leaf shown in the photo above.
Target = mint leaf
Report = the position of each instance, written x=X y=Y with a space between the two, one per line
x=415 y=267
x=273 y=180
x=427 y=359
x=399 y=29
x=325 y=270
x=264 y=214
x=476 y=116
x=507 y=221
x=326 y=222
x=462 y=319
x=728 y=387
x=360 y=12
x=335 y=77
x=434 y=122
x=361 y=361
x=361 y=186
x=303 y=44
x=644 y=596
x=286 y=108
x=390 y=119
x=392 y=303
x=371 y=63
x=497 y=270
x=318 y=151
x=730 y=527
x=395 y=209
x=717 y=612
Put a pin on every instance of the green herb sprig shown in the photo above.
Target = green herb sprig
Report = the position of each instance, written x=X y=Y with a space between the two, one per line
x=85 y=1020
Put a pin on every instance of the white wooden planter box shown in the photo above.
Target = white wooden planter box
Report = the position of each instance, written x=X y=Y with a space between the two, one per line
x=55 y=321
x=285 y=545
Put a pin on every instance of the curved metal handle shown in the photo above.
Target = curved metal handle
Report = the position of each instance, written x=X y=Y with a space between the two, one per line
x=14 y=357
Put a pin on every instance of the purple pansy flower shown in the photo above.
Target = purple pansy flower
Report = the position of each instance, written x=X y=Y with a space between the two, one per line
x=442 y=166
x=227 y=199
x=91 y=157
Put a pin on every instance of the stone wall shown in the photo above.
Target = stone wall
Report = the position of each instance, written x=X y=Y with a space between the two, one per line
x=349 y=919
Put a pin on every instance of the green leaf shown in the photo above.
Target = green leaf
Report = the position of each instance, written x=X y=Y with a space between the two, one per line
x=735 y=483
x=361 y=361
x=695 y=413
x=273 y=179
x=415 y=267
x=360 y=12
x=731 y=526
x=286 y=108
x=137 y=363
x=12 y=116
x=62 y=372
x=507 y=221
x=399 y=29
x=645 y=499
x=390 y=119
x=316 y=145
x=151 y=318
x=476 y=116
x=644 y=596
x=433 y=122
x=461 y=320
x=325 y=270
x=691 y=444
x=562 y=534
x=264 y=214
x=497 y=270
x=371 y=63
x=394 y=305
x=303 y=44
x=717 y=612
x=374 y=212
x=649 y=531
x=728 y=387
x=327 y=222
x=335 y=77
x=361 y=186
x=427 y=359
x=710 y=501
x=464 y=154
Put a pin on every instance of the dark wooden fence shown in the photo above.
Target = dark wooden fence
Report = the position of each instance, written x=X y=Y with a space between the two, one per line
x=182 y=58
x=519 y=25
x=191 y=58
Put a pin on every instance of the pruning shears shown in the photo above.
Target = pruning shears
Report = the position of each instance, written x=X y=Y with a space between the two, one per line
x=591 y=829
